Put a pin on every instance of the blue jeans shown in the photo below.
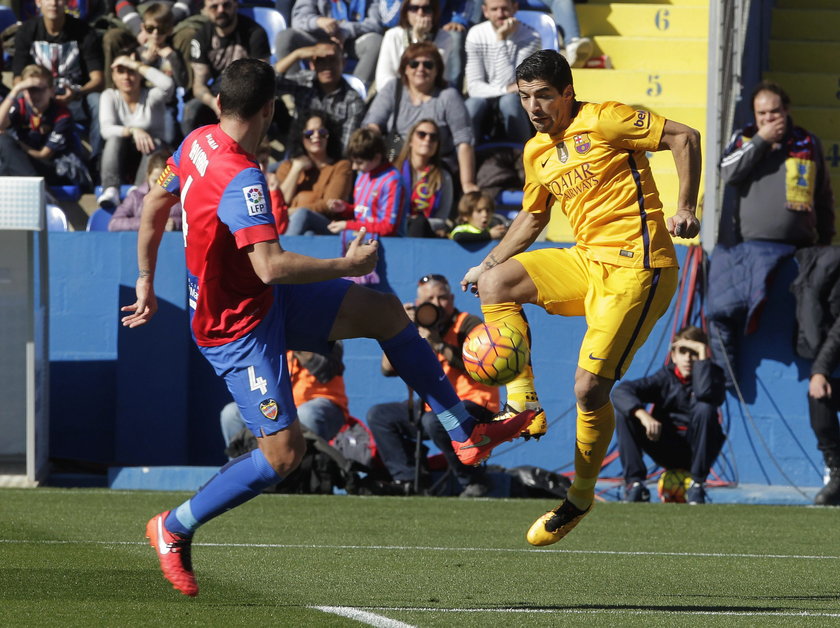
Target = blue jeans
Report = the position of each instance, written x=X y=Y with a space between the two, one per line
x=86 y=111
x=307 y=222
x=515 y=123
x=318 y=415
x=563 y=12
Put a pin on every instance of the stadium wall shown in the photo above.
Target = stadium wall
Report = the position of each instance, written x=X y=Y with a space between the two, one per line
x=146 y=397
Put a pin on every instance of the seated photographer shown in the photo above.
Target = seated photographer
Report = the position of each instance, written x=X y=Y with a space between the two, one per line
x=394 y=431
x=682 y=431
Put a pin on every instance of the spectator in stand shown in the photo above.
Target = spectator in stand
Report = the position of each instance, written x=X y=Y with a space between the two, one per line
x=346 y=22
x=682 y=431
x=321 y=88
x=779 y=199
x=427 y=181
x=419 y=21
x=457 y=17
x=314 y=176
x=494 y=50
x=227 y=37
x=132 y=118
x=576 y=49
x=278 y=203
x=70 y=50
x=476 y=211
x=318 y=392
x=37 y=134
x=395 y=430
x=420 y=94
x=127 y=215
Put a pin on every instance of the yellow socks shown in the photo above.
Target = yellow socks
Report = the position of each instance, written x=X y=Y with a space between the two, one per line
x=594 y=433
x=521 y=390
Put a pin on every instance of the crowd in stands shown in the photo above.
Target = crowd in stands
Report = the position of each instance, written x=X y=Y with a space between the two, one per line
x=380 y=107
x=97 y=88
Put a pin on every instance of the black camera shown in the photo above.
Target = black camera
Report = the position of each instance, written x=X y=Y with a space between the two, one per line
x=427 y=315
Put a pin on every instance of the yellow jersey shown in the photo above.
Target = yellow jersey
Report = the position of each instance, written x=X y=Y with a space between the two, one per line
x=598 y=173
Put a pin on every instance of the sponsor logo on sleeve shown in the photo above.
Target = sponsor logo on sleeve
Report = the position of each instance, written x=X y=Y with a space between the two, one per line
x=255 y=200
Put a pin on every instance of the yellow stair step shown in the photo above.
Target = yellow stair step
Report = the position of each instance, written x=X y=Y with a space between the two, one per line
x=810 y=88
x=822 y=121
x=692 y=115
x=653 y=54
x=643 y=20
x=634 y=87
x=805 y=24
x=679 y=3
x=804 y=56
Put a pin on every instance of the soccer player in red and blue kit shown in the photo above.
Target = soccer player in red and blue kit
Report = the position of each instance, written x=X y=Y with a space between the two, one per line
x=250 y=300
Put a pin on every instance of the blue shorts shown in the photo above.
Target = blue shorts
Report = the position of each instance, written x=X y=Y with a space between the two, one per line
x=254 y=366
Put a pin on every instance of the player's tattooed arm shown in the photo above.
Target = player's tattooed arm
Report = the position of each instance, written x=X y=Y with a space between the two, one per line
x=490 y=262
x=144 y=273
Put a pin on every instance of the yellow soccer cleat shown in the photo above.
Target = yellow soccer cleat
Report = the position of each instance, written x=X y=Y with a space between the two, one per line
x=537 y=428
x=555 y=524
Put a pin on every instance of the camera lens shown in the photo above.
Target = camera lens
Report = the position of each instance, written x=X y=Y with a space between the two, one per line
x=427 y=314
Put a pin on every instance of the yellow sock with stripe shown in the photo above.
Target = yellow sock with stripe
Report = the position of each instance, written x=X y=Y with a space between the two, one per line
x=521 y=390
x=594 y=433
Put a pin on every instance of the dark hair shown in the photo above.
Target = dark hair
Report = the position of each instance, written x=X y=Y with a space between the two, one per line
x=246 y=86
x=770 y=86
x=423 y=49
x=435 y=4
x=333 y=141
x=161 y=14
x=546 y=65
x=365 y=144
x=691 y=332
x=469 y=202
x=157 y=160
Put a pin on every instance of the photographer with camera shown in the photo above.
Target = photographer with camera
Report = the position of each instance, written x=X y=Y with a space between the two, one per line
x=395 y=425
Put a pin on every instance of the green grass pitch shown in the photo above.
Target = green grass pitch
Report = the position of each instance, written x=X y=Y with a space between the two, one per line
x=77 y=557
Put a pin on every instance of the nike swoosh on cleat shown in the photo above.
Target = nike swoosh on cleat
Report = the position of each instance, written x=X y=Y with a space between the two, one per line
x=484 y=441
x=592 y=357
x=162 y=546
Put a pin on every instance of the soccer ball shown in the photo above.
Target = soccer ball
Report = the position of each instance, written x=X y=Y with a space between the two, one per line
x=494 y=354
x=673 y=484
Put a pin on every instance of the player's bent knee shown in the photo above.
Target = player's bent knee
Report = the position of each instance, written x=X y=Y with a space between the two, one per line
x=284 y=450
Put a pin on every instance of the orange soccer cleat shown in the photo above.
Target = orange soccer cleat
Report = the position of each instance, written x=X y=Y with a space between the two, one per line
x=173 y=552
x=485 y=436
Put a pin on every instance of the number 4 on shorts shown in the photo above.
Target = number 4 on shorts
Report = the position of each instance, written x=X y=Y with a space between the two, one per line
x=257 y=383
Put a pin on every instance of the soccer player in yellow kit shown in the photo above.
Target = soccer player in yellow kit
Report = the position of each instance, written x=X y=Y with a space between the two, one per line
x=590 y=160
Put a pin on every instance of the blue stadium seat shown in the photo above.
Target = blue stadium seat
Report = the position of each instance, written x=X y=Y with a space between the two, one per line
x=65 y=193
x=356 y=83
x=56 y=219
x=271 y=20
x=544 y=24
x=99 y=220
x=7 y=17
x=124 y=190
x=532 y=5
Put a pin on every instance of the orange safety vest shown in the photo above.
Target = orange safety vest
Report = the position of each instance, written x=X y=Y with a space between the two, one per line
x=305 y=385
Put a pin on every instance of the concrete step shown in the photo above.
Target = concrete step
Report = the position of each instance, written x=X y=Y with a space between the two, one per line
x=808 y=4
x=805 y=24
x=650 y=88
x=643 y=20
x=807 y=89
x=654 y=54
x=804 y=56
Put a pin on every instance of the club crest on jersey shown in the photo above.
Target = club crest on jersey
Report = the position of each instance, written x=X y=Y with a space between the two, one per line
x=255 y=200
x=269 y=409
x=562 y=152
x=582 y=143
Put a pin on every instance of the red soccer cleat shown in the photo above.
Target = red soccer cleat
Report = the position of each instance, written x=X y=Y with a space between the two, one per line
x=173 y=552
x=485 y=436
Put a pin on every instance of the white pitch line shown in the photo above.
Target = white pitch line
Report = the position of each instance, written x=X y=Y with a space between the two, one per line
x=608 y=611
x=371 y=619
x=420 y=548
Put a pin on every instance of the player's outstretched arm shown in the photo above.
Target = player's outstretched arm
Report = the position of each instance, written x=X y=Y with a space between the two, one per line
x=156 y=206
x=684 y=144
x=522 y=232
x=273 y=264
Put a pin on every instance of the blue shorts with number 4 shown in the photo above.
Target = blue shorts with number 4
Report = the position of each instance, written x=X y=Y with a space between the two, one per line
x=254 y=366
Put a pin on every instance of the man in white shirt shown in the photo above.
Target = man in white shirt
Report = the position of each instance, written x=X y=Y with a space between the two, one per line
x=494 y=49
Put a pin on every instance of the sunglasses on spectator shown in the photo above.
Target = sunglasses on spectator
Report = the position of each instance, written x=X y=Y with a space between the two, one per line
x=420 y=8
x=321 y=133
x=224 y=6
x=432 y=277
x=433 y=137
x=153 y=28
x=414 y=64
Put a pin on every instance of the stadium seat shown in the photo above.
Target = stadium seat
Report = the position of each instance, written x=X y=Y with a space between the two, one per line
x=271 y=20
x=56 y=219
x=124 y=190
x=7 y=17
x=99 y=220
x=356 y=83
x=544 y=24
x=532 y=5
x=65 y=193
